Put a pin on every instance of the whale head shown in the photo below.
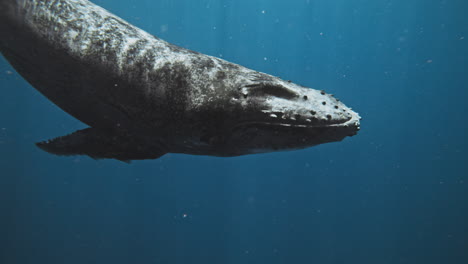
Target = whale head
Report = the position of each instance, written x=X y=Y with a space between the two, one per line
x=266 y=114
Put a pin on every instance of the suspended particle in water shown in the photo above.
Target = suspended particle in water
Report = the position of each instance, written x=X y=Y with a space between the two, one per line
x=164 y=28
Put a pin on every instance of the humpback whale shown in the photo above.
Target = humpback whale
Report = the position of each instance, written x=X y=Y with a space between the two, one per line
x=143 y=97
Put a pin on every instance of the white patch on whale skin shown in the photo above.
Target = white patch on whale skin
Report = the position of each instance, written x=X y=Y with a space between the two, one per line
x=72 y=34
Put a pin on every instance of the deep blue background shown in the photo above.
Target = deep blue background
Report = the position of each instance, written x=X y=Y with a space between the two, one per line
x=395 y=193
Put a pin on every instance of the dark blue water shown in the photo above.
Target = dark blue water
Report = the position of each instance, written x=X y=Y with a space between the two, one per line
x=395 y=193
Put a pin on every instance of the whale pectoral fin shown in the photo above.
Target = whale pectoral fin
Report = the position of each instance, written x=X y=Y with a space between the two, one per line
x=100 y=145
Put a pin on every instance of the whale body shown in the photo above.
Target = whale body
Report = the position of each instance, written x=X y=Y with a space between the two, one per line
x=143 y=97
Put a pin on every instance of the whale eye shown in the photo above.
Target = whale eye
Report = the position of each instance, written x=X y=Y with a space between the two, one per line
x=272 y=90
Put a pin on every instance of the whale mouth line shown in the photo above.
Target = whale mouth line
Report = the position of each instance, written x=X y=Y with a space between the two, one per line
x=345 y=123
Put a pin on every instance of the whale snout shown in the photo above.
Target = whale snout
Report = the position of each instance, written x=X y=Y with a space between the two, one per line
x=312 y=108
x=292 y=117
x=340 y=119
